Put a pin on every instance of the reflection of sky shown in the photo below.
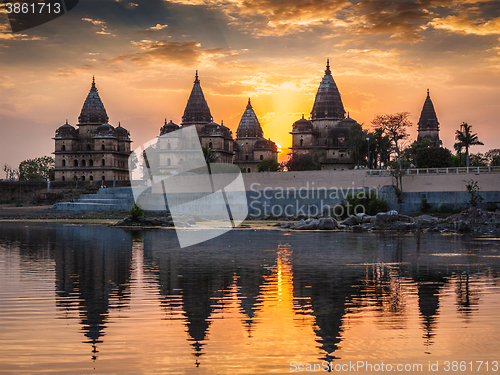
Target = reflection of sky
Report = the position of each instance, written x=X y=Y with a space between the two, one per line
x=250 y=308
x=384 y=55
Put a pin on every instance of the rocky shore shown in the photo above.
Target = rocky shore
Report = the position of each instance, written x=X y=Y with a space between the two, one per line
x=472 y=220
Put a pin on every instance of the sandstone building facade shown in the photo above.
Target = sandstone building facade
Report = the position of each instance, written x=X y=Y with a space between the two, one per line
x=94 y=151
x=326 y=132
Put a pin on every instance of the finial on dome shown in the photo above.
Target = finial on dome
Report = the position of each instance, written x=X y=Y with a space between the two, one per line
x=302 y=116
x=221 y=122
x=165 y=121
x=427 y=92
x=328 y=71
x=67 y=122
x=249 y=105
x=348 y=115
x=119 y=125
x=93 y=88
x=196 y=80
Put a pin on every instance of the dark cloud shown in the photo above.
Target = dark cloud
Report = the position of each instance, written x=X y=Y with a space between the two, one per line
x=170 y=52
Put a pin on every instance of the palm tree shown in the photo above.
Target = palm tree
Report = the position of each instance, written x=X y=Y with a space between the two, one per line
x=466 y=139
x=210 y=157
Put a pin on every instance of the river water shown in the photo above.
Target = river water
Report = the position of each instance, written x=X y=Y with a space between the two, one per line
x=94 y=299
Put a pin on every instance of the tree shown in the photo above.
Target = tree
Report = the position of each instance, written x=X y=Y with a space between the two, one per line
x=269 y=165
x=434 y=157
x=493 y=157
x=395 y=126
x=478 y=160
x=381 y=147
x=38 y=169
x=465 y=139
x=356 y=143
x=209 y=156
x=304 y=162
x=10 y=173
x=412 y=151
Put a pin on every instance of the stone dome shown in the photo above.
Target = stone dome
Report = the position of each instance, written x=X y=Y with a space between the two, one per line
x=302 y=125
x=105 y=130
x=214 y=129
x=168 y=127
x=265 y=144
x=122 y=133
x=66 y=131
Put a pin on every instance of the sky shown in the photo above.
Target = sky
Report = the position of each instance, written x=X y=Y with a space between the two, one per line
x=384 y=55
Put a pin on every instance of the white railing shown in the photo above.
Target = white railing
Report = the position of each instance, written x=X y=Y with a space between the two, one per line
x=435 y=171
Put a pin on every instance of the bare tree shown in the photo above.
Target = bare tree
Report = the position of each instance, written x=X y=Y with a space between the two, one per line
x=395 y=127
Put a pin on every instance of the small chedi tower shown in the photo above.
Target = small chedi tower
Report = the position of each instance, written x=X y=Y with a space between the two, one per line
x=327 y=130
x=94 y=151
x=250 y=146
x=428 y=125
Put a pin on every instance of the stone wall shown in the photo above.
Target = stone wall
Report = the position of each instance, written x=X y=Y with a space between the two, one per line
x=17 y=191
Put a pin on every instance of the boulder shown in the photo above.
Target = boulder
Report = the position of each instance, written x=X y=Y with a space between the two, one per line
x=327 y=223
x=300 y=223
x=351 y=220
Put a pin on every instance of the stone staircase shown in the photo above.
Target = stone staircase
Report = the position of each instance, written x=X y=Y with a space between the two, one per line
x=106 y=199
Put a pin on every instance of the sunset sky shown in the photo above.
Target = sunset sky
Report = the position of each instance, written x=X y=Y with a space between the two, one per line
x=383 y=56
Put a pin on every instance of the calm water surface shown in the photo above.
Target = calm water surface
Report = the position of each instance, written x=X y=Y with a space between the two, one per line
x=92 y=299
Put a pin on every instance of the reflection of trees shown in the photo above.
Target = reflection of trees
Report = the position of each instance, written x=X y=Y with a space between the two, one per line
x=92 y=275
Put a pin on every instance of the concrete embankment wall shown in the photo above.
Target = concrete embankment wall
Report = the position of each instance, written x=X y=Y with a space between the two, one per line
x=14 y=191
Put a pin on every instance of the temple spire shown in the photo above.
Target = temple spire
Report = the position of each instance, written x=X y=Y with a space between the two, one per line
x=328 y=103
x=328 y=71
x=249 y=125
x=196 y=111
x=93 y=110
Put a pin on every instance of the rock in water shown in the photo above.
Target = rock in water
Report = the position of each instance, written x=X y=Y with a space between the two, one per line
x=327 y=223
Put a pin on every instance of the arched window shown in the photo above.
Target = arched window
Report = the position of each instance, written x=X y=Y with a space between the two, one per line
x=88 y=147
x=168 y=162
x=249 y=170
x=103 y=178
x=118 y=148
x=210 y=145
x=63 y=163
x=91 y=163
x=301 y=142
x=168 y=146
x=83 y=178
x=103 y=162
x=63 y=148
x=83 y=163
x=75 y=163
x=246 y=157
x=261 y=157
x=103 y=147
x=63 y=178
x=91 y=178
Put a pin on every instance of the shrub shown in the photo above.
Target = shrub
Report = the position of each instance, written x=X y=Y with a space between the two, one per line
x=473 y=189
x=369 y=200
x=424 y=205
x=136 y=212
